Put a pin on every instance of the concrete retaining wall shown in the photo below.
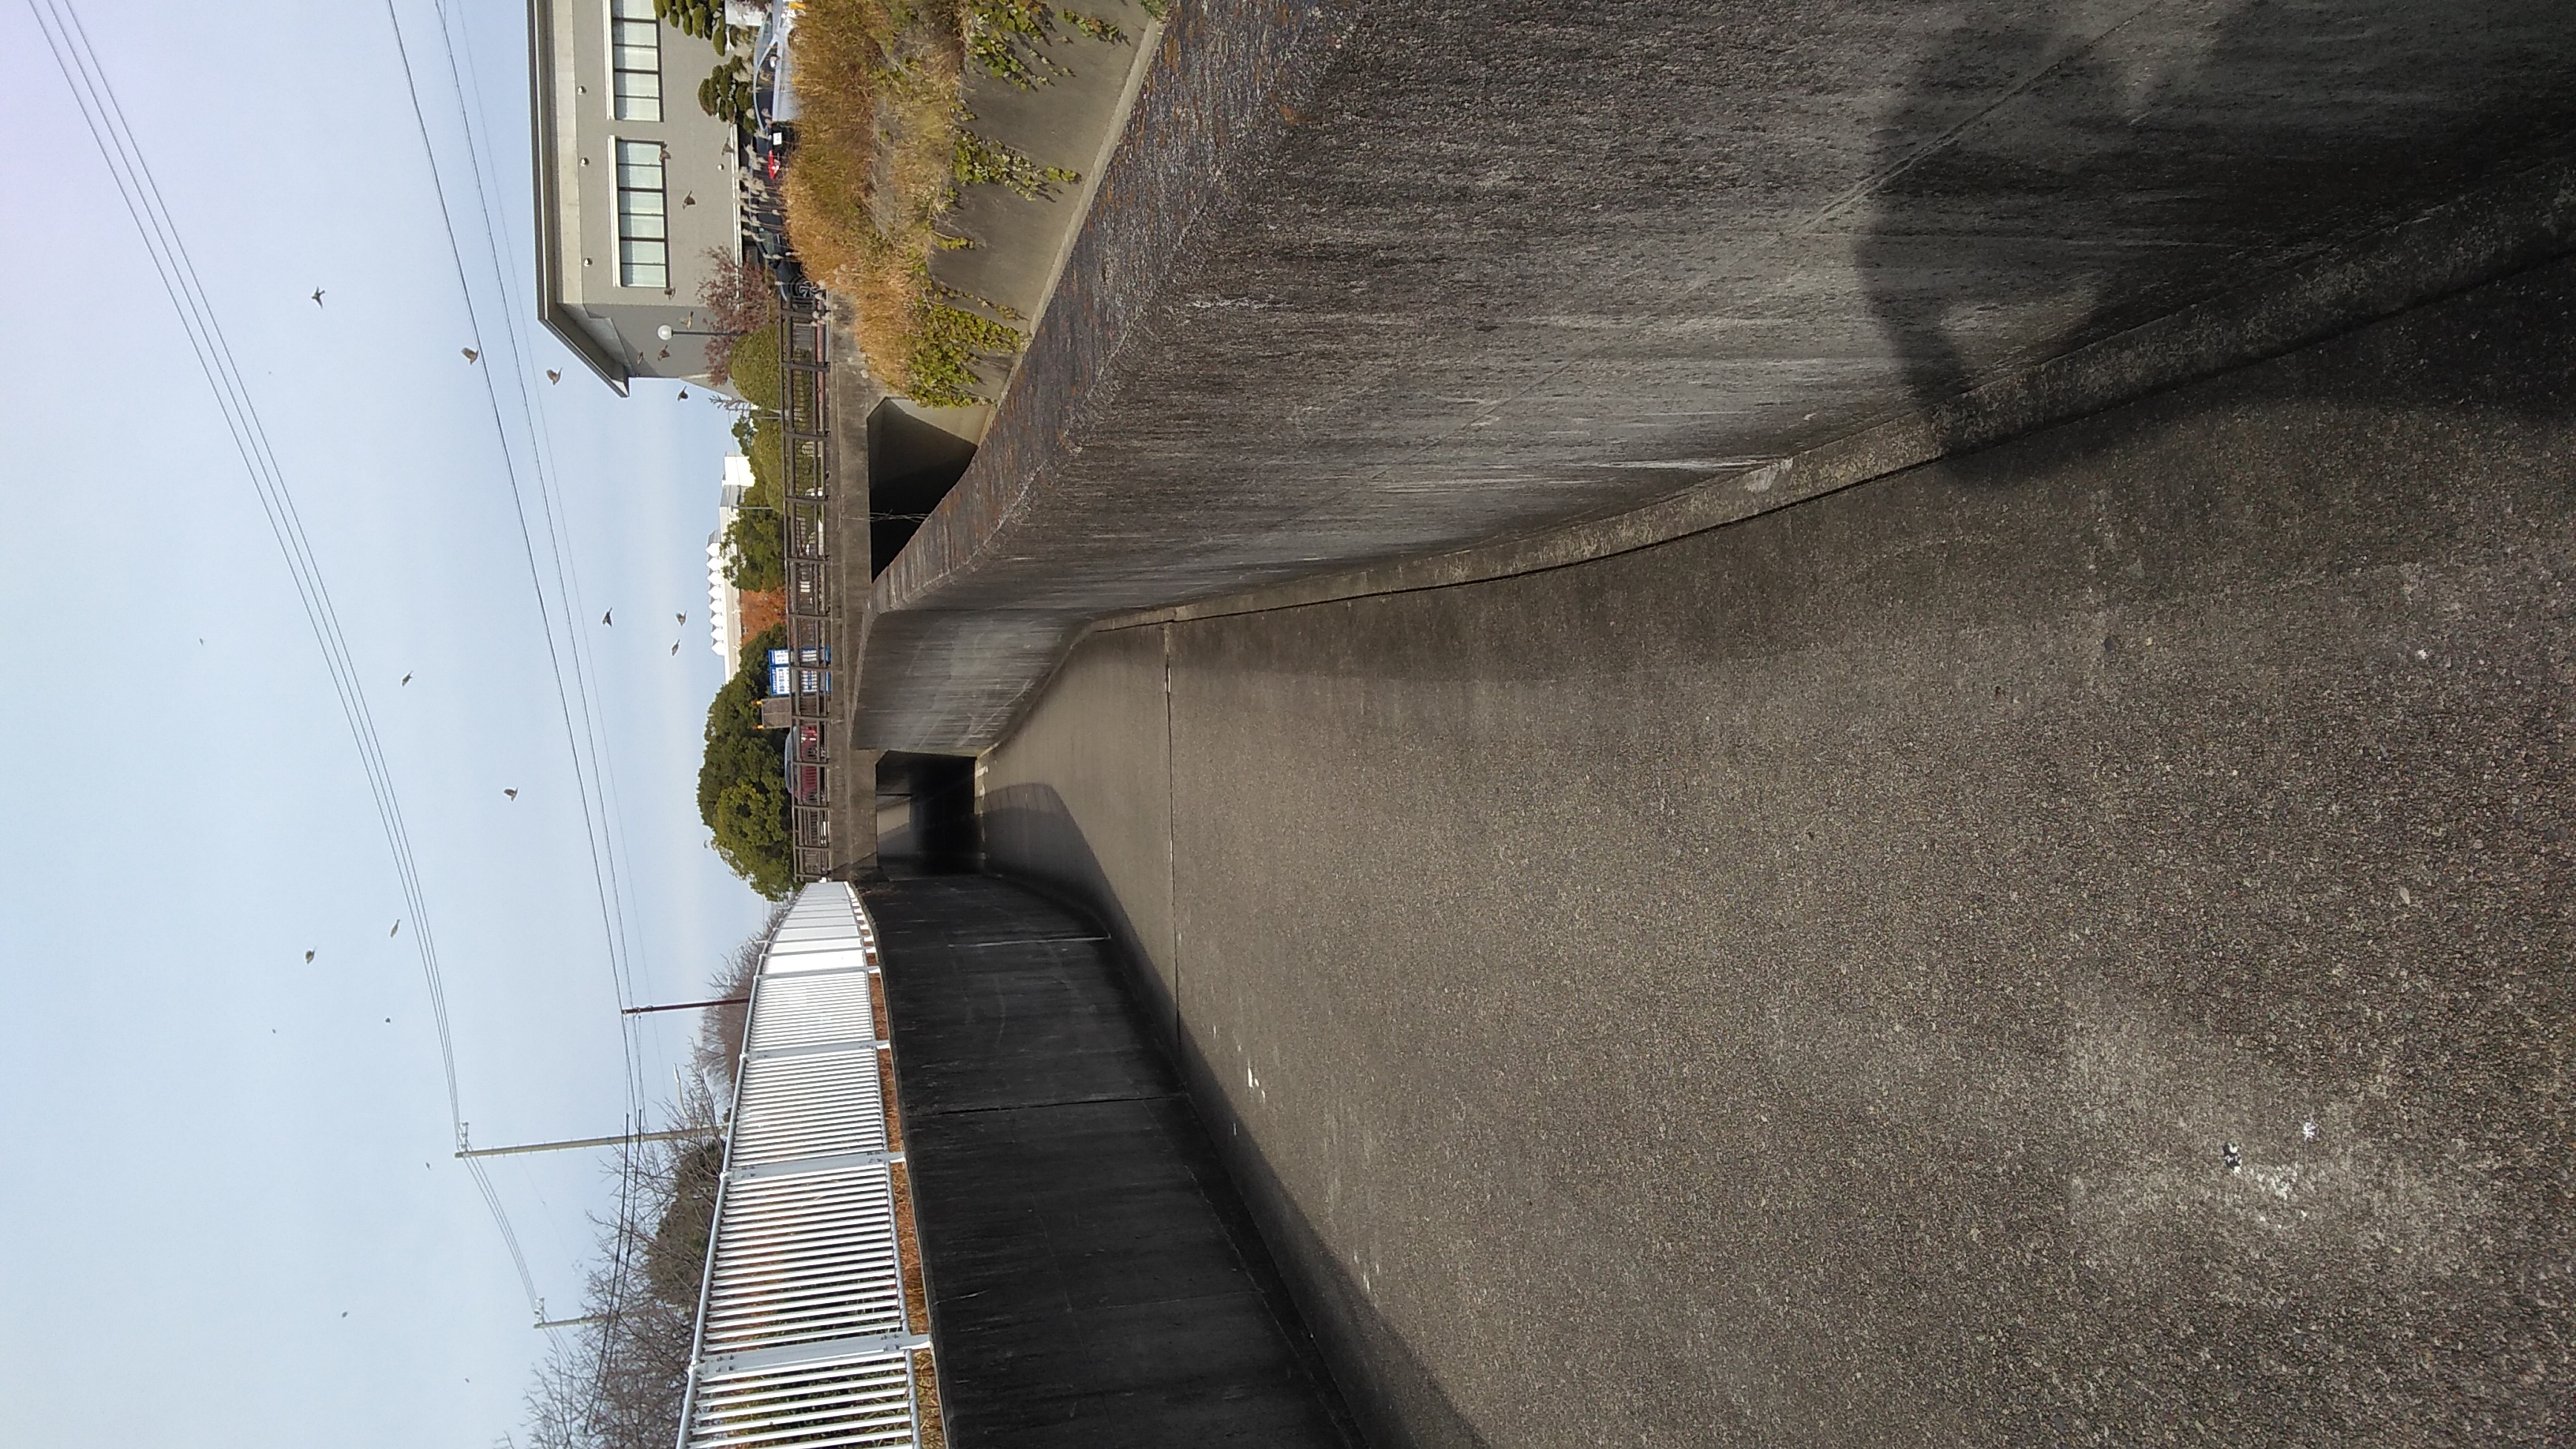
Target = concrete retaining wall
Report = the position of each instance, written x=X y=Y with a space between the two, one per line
x=1374 y=280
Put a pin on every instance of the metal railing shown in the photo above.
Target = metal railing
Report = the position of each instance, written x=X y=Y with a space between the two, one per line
x=804 y=419
x=803 y=1337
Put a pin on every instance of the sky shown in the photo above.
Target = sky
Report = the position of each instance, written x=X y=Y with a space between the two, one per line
x=229 y=1209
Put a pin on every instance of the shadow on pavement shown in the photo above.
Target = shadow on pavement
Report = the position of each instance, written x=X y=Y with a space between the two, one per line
x=1395 y=1396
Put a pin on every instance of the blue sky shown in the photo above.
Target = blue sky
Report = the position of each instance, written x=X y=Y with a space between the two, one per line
x=222 y=1150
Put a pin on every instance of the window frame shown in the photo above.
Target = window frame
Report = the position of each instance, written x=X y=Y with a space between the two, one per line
x=638 y=254
x=634 y=33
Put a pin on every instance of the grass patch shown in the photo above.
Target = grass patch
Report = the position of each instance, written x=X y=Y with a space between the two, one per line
x=883 y=145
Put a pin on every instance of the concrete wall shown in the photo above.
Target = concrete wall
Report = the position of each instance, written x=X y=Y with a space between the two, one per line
x=1370 y=280
x=2064 y=944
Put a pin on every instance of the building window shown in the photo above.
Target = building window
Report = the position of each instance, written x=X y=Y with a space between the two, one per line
x=635 y=59
x=643 y=233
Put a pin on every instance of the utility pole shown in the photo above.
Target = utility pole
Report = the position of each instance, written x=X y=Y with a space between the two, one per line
x=674 y=1135
x=571 y=1322
x=686 y=1005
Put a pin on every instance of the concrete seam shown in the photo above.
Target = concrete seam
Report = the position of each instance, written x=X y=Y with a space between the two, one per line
x=1171 y=842
x=1172 y=1096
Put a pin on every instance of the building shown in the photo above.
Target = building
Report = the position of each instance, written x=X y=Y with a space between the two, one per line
x=635 y=186
x=724 y=602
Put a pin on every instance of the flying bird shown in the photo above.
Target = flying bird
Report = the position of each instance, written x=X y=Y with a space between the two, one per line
x=609 y=619
x=675 y=646
x=553 y=376
x=308 y=958
x=682 y=618
x=317 y=296
x=470 y=353
x=513 y=794
x=406 y=680
x=396 y=931
x=684 y=394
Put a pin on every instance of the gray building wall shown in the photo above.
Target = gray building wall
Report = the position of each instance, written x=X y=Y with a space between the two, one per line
x=580 y=296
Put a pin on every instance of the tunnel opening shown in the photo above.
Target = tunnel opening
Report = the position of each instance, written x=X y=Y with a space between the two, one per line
x=915 y=455
x=926 y=811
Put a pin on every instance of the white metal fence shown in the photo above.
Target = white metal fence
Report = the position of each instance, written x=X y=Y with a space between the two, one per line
x=802 y=1338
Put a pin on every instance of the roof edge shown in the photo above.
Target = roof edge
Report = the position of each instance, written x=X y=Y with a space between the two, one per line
x=557 y=315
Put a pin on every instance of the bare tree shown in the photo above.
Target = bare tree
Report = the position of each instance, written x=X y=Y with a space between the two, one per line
x=739 y=296
x=617 y=1380
x=720 y=1031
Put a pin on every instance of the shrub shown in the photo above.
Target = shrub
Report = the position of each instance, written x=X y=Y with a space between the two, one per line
x=741 y=301
x=751 y=369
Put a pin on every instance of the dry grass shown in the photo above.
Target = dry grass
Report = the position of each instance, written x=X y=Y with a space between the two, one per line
x=916 y=1307
x=877 y=81
x=931 y=1429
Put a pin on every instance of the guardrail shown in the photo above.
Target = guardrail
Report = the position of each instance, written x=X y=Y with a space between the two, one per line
x=803 y=1335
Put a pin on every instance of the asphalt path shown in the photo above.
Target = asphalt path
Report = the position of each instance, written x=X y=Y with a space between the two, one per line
x=2068 y=944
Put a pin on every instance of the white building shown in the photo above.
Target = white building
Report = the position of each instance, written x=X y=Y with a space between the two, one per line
x=724 y=603
x=635 y=186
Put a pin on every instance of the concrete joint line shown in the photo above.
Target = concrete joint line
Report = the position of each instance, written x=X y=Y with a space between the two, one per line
x=1042 y=1106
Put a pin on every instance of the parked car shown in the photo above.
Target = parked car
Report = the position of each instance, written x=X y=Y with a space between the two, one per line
x=804 y=778
x=773 y=88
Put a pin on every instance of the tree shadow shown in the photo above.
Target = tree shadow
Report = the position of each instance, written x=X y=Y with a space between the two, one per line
x=2056 y=174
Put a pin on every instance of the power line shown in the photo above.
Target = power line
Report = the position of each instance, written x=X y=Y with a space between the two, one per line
x=557 y=517
x=102 y=113
x=528 y=548
x=592 y=773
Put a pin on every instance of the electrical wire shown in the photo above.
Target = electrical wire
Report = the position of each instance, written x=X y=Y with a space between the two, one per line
x=556 y=517
x=105 y=118
x=593 y=768
x=528 y=548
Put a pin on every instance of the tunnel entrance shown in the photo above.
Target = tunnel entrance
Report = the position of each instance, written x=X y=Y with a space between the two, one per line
x=915 y=455
x=926 y=811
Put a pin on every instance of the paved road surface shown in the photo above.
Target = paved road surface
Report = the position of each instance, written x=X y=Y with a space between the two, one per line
x=2065 y=945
